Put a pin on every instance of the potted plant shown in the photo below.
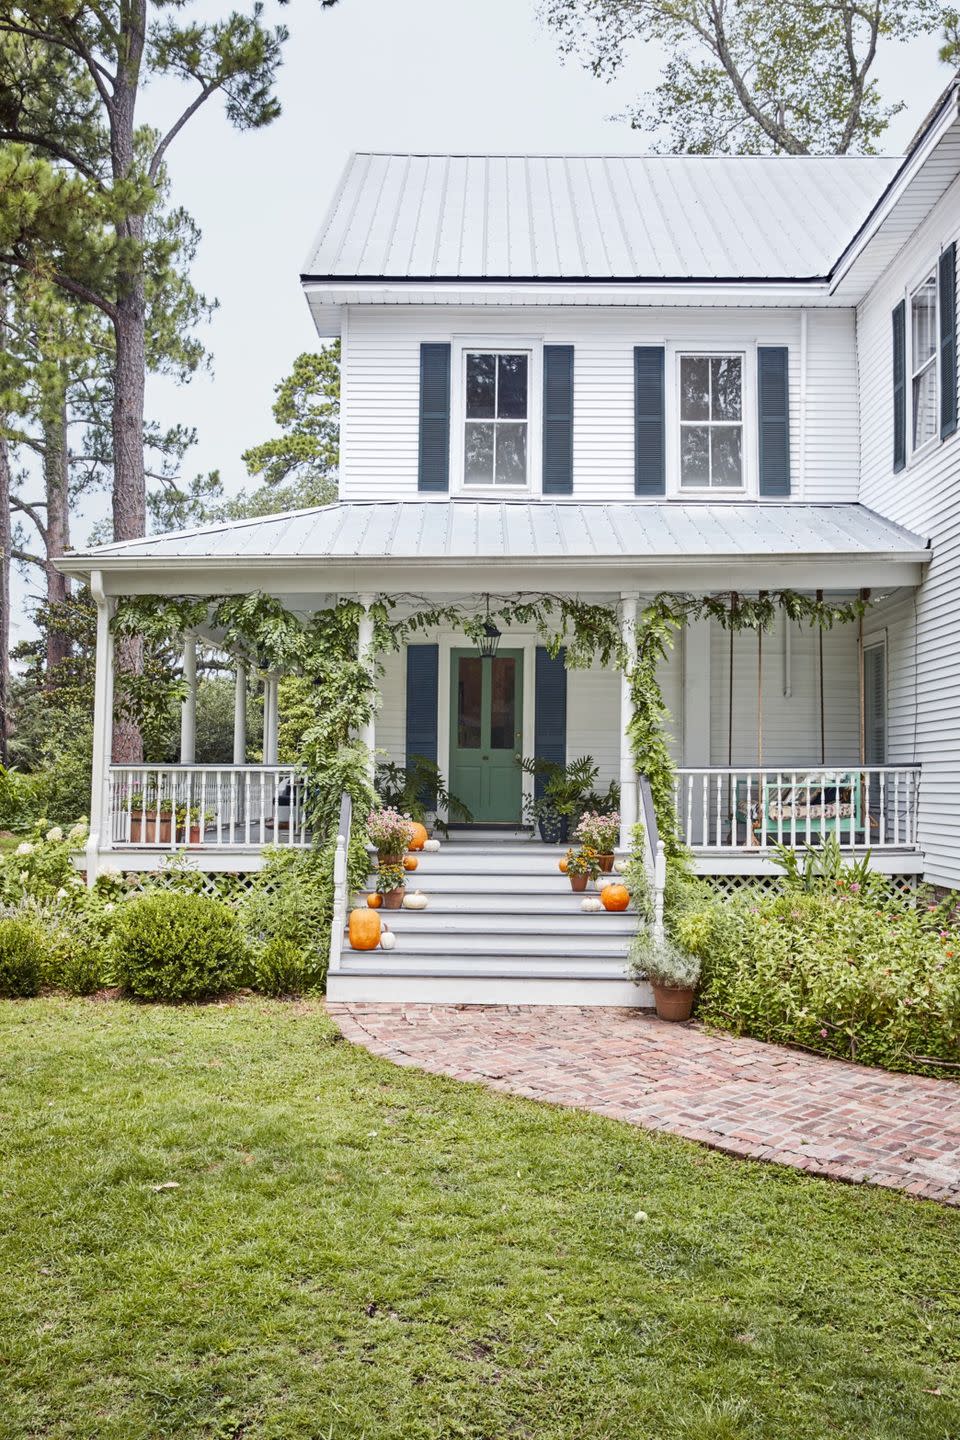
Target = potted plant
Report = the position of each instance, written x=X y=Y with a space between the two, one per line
x=391 y=883
x=390 y=833
x=601 y=833
x=562 y=793
x=582 y=865
x=418 y=789
x=149 y=819
x=673 y=973
x=190 y=823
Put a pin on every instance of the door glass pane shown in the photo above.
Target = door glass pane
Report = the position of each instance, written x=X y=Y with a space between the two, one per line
x=503 y=702
x=481 y=373
x=725 y=453
x=694 y=455
x=511 y=454
x=725 y=387
x=512 y=387
x=694 y=388
x=469 y=701
x=478 y=453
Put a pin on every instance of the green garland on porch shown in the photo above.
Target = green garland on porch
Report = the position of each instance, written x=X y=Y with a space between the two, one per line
x=322 y=646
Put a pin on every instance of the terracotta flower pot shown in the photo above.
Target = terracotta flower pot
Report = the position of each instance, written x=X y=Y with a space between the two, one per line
x=671 y=1003
x=393 y=899
x=606 y=863
x=578 y=882
x=386 y=859
x=144 y=829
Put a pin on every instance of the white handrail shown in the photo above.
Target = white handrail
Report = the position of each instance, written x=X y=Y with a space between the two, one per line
x=209 y=807
x=746 y=809
x=338 y=918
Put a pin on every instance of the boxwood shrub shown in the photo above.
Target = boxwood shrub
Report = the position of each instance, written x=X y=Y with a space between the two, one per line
x=862 y=977
x=175 y=946
x=21 y=957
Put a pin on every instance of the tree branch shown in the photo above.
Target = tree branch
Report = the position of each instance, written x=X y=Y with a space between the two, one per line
x=72 y=287
x=25 y=509
x=158 y=154
x=60 y=152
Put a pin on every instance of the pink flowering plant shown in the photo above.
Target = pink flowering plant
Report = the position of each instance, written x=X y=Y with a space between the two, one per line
x=390 y=832
x=599 y=832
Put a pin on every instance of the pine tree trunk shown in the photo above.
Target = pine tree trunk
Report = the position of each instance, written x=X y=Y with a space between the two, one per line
x=57 y=538
x=129 y=481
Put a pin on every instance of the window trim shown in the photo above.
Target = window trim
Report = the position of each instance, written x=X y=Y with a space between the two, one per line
x=931 y=271
x=532 y=346
x=746 y=351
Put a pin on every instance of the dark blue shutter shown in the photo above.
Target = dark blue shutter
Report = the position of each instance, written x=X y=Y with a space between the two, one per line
x=558 y=419
x=649 y=448
x=434 y=456
x=899 y=386
x=773 y=401
x=550 y=710
x=948 y=341
x=423 y=664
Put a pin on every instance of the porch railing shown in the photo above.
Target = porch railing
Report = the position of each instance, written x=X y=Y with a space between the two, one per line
x=872 y=807
x=175 y=807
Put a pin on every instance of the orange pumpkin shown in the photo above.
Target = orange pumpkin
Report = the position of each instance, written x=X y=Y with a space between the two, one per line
x=615 y=897
x=418 y=837
x=562 y=865
x=364 y=928
x=410 y=862
x=374 y=901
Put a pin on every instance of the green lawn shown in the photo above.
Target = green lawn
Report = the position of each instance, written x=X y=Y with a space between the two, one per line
x=358 y=1251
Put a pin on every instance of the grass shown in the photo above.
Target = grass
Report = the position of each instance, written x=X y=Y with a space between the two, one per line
x=354 y=1250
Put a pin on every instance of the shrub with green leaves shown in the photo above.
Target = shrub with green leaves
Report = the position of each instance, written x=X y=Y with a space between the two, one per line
x=21 y=956
x=835 y=971
x=175 y=946
x=282 y=967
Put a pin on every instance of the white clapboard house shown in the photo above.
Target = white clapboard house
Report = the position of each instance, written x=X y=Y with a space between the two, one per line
x=610 y=376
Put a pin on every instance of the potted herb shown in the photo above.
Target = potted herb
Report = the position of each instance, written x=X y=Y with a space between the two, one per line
x=390 y=833
x=601 y=833
x=673 y=973
x=582 y=865
x=563 y=790
x=391 y=883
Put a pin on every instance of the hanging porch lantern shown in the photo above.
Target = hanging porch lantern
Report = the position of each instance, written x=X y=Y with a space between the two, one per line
x=490 y=638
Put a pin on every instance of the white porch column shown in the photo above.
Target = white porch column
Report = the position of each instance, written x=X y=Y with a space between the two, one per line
x=100 y=837
x=368 y=731
x=696 y=693
x=271 y=687
x=628 y=775
x=240 y=714
x=188 y=710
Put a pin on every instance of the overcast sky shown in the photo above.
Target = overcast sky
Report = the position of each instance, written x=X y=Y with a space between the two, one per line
x=431 y=75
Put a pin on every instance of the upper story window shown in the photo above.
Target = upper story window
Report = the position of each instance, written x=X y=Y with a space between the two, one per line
x=923 y=361
x=711 y=422
x=496 y=417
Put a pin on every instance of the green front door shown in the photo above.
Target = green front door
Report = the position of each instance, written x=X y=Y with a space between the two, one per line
x=486 y=734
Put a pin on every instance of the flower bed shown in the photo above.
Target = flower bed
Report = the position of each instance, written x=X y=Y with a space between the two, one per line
x=844 y=971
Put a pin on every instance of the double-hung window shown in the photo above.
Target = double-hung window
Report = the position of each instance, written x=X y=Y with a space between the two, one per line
x=923 y=362
x=711 y=422
x=496 y=417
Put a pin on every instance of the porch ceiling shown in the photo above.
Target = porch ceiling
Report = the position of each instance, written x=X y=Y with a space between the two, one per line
x=431 y=543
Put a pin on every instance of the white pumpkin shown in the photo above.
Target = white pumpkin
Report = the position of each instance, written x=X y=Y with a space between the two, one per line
x=602 y=881
x=415 y=901
x=591 y=903
x=387 y=940
x=432 y=846
x=621 y=866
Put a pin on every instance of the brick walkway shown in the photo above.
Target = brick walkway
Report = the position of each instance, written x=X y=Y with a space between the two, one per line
x=843 y=1121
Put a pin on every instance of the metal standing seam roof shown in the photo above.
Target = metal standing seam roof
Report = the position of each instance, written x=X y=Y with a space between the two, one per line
x=594 y=217
x=531 y=530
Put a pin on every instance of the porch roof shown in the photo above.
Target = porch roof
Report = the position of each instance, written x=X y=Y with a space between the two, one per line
x=480 y=531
